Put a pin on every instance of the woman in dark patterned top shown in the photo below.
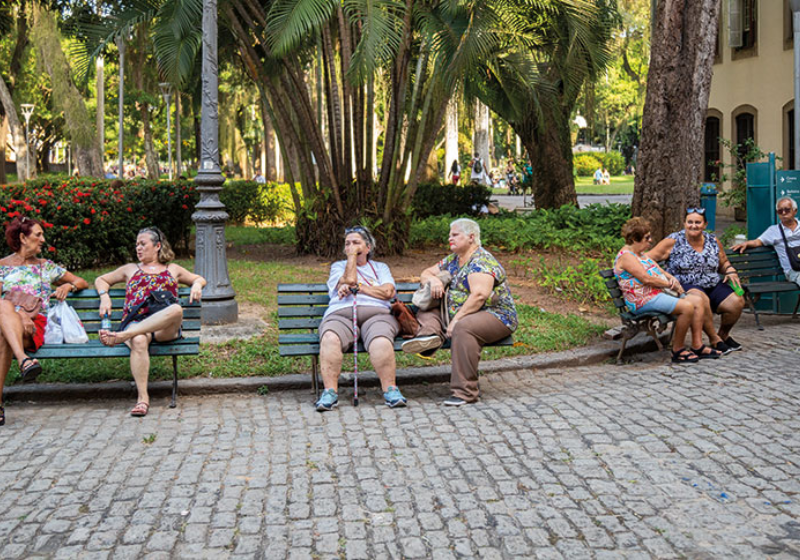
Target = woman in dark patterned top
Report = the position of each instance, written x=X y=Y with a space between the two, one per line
x=697 y=259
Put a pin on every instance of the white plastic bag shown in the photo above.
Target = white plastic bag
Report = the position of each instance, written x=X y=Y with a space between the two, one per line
x=74 y=333
x=53 y=333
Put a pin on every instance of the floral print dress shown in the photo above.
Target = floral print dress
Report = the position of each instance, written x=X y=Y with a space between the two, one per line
x=139 y=287
x=36 y=280
x=500 y=303
x=689 y=266
x=634 y=292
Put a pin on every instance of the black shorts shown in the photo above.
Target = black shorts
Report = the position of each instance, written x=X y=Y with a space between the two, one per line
x=716 y=295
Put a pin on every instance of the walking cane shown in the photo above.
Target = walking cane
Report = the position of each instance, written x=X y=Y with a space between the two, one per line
x=354 y=291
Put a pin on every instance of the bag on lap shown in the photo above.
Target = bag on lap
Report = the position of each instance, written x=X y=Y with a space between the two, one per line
x=156 y=301
x=422 y=297
x=409 y=326
x=27 y=306
x=792 y=252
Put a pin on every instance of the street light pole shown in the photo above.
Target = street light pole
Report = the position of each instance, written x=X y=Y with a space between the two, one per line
x=166 y=91
x=795 y=5
x=121 y=47
x=27 y=111
x=219 y=303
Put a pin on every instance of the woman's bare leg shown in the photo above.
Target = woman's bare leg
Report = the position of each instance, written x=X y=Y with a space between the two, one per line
x=165 y=324
x=12 y=330
x=140 y=364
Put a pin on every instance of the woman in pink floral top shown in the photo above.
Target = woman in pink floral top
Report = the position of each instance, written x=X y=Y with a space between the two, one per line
x=643 y=283
x=153 y=272
x=24 y=271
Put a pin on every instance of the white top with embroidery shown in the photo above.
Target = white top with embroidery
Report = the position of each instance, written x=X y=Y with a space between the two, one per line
x=373 y=273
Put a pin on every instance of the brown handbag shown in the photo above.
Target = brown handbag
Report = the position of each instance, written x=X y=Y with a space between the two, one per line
x=27 y=306
x=409 y=326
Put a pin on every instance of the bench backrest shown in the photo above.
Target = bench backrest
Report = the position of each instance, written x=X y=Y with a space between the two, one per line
x=301 y=306
x=612 y=285
x=756 y=263
x=87 y=302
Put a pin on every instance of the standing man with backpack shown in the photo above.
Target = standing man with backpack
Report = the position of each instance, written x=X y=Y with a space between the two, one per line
x=478 y=173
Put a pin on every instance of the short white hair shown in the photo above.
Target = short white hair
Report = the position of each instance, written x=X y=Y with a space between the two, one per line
x=468 y=227
x=792 y=201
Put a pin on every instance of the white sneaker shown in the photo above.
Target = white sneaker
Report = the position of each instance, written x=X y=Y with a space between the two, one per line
x=421 y=344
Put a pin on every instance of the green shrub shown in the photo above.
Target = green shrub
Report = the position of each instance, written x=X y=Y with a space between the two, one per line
x=257 y=202
x=594 y=229
x=614 y=162
x=89 y=223
x=433 y=199
x=585 y=164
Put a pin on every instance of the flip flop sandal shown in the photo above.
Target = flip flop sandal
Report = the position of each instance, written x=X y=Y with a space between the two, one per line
x=711 y=355
x=31 y=371
x=111 y=338
x=140 y=409
x=684 y=356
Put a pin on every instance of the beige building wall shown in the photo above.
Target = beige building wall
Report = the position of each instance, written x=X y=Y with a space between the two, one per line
x=758 y=80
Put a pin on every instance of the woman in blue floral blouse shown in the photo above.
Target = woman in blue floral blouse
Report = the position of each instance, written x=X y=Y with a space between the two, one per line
x=479 y=309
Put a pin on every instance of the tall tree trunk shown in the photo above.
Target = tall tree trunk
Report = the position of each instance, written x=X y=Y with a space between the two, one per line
x=451 y=136
x=178 y=135
x=17 y=134
x=480 y=135
x=670 y=164
x=549 y=148
x=101 y=110
x=66 y=97
x=3 y=136
x=138 y=59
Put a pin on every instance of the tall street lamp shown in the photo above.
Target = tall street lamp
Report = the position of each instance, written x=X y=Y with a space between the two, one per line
x=120 y=40
x=27 y=111
x=795 y=5
x=219 y=303
x=166 y=91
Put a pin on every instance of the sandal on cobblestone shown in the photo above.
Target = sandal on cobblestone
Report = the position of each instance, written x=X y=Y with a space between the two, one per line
x=140 y=409
x=684 y=356
x=707 y=353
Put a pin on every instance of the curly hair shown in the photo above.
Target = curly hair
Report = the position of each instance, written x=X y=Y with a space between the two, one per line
x=21 y=225
x=635 y=229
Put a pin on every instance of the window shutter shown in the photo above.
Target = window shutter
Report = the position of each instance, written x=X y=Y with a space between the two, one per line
x=735 y=24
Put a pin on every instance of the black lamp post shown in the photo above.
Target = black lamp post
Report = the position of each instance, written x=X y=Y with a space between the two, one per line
x=219 y=303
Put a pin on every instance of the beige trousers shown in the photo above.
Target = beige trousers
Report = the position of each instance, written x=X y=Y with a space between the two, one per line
x=469 y=335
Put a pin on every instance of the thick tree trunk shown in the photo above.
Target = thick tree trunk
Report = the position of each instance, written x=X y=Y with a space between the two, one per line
x=670 y=164
x=17 y=133
x=178 y=135
x=66 y=97
x=550 y=150
x=101 y=110
x=480 y=136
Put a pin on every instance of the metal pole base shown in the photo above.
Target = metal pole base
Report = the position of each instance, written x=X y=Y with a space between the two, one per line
x=219 y=312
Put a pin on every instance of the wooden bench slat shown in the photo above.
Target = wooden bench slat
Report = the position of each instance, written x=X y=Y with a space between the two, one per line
x=301 y=311
x=312 y=348
x=286 y=324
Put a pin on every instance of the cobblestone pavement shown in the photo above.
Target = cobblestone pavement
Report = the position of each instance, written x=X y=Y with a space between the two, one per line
x=646 y=460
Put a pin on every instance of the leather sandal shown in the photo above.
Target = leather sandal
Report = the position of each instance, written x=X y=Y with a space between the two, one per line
x=710 y=355
x=140 y=409
x=684 y=356
x=30 y=372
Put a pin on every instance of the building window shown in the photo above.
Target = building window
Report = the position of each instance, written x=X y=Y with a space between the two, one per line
x=743 y=27
x=745 y=130
x=712 y=152
x=788 y=31
x=748 y=24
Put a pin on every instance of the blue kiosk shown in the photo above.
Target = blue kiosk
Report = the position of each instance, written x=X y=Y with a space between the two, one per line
x=765 y=185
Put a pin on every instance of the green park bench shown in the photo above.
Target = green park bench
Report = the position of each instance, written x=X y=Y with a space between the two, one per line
x=87 y=302
x=300 y=311
x=651 y=323
x=760 y=273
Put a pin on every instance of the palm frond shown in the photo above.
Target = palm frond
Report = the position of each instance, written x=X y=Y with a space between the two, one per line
x=177 y=37
x=290 y=21
x=380 y=23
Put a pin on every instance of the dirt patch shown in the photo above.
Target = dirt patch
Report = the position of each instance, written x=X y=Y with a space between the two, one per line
x=406 y=268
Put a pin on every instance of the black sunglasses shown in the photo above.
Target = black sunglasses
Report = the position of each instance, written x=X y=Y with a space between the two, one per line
x=785 y=210
x=700 y=211
x=355 y=229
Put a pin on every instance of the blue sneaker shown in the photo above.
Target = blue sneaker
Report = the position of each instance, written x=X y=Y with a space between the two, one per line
x=327 y=401
x=394 y=398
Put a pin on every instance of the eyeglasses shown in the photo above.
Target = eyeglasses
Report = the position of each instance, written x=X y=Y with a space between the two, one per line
x=785 y=210
x=355 y=229
x=700 y=211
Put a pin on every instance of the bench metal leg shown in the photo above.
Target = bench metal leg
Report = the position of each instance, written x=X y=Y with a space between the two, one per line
x=752 y=301
x=174 y=381
x=796 y=307
x=314 y=373
x=625 y=339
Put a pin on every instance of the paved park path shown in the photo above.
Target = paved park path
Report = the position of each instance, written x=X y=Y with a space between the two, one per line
x=644 y=460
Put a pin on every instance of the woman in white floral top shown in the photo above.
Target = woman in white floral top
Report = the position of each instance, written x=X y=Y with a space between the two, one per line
x=24 y=271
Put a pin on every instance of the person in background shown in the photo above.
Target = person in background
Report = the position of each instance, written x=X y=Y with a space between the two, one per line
x=455 y=172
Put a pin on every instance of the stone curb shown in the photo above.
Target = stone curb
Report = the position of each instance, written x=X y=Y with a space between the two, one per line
x=40 y=392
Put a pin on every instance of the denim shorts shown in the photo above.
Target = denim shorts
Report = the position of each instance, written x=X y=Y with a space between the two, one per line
x=662 y=303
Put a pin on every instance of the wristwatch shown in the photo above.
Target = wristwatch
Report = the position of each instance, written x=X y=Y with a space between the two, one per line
x=102 y=293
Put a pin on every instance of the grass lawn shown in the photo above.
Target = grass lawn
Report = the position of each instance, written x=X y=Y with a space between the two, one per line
x=256 y=283
x=622 y=184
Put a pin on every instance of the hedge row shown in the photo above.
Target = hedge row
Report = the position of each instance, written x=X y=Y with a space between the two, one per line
x=92 y=223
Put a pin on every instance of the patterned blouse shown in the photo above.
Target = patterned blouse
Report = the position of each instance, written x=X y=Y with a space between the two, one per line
x=141 y=284
x=36 y=279
x=635 y=293
x=691 y=267
x=500 y=303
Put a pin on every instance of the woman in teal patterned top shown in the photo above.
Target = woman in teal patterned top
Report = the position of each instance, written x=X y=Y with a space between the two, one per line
x=480 y=309
x=24 y=271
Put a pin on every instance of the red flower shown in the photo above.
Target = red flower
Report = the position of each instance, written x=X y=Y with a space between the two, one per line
x=184 y=207
x=42 y=202
x=87 y=221
x=51 y=249
x=130 y=209
x=58 y=207
x=64 y=227
x=93 y=211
